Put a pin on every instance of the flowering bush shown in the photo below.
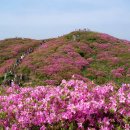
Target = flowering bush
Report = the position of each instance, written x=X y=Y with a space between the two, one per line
x=118 y=72
x=105 y=37
x=5 y=65
x=71 y=105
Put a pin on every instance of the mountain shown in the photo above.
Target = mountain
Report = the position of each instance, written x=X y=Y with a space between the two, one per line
x=84 y=54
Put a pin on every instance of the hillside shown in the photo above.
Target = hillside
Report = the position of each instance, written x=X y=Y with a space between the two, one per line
x=87 y=55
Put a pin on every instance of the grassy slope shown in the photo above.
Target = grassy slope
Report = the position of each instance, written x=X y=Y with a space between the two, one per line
x=96 y=56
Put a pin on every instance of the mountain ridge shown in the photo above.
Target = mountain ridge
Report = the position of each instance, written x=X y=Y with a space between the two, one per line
x=89 y=55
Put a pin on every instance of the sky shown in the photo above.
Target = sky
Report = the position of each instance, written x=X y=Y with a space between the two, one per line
x=39 y=19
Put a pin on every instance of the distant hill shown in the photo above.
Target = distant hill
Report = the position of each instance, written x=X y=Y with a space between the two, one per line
x=87 y=55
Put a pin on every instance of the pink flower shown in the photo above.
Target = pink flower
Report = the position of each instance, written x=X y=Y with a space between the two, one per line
x=127 y=127
x=43 y=128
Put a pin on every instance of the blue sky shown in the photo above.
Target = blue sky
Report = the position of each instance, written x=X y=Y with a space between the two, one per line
x=41 y=19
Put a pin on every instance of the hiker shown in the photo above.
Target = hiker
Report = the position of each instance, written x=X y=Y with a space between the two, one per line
x=22 y=57
x=85 y=30
x=5 y=76
x=16 y=79
x=74 y=38
x=18 y=61
x=14 y=65
x=8 y=82
x=12 y=83
x=12 y=70
x=43 y=41
x=21 y=77
x=29 y=50
x=26 y=53
x=78 y=38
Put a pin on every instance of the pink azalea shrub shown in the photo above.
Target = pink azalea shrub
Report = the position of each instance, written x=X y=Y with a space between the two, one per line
x=104 y=46
x=118 y=73
x=106 y=37
x=6 y=65
x=50 y=82
x=128 y=71
x=71 y=105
